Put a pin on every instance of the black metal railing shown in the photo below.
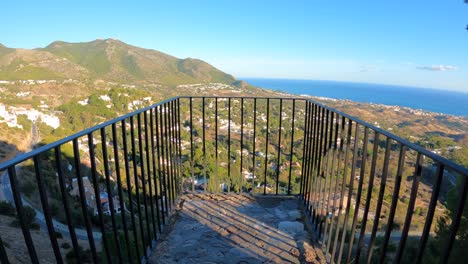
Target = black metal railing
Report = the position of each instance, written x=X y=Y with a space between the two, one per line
x=371 y=196
x=369 y=193
x=120 y=177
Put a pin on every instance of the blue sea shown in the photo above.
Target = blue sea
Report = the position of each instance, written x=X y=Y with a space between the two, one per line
x=433 y=100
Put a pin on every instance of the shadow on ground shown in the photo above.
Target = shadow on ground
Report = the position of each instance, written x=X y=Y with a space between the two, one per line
x=237 y=228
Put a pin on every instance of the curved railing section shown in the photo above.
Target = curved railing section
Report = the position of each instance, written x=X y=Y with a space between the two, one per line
x=110 y=189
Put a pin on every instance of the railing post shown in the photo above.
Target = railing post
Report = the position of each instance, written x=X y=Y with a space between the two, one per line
x=305 y=141
x=76 y=154
x=148 y=171
x=45 y=209
x=109 y=192
x=92 y=157
x=204 y=144
x=119 y=189
x=266 y=144
x=242 y=143
x=191 y=144
x=292 y=145
x=279 y=146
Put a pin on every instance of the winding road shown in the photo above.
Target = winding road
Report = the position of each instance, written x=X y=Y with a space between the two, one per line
x=6 y=194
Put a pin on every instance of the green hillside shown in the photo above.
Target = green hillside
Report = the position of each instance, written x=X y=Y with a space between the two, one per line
x=114 y=60
x=109 y=60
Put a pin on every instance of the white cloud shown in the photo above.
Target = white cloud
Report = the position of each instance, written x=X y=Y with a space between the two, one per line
x=438 y=68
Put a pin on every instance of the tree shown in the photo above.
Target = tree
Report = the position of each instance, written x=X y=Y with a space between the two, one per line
x=443 y=225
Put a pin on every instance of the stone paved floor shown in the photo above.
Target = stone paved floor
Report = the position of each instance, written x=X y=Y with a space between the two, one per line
x=236 y=228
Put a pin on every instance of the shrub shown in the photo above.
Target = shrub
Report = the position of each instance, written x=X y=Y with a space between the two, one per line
x=29 y=215
x=35 y=226
x=85 y=256
x=7 y=208
x=66 y=245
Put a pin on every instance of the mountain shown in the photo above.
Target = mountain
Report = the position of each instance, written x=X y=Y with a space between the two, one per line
x=108 y=59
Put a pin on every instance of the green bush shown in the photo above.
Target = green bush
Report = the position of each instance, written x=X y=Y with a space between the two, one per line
x=7 y=208
x=66 y=245
x=85 y=256
x=29 y=215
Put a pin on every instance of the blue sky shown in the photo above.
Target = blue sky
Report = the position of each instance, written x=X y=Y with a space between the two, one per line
x=416 y=43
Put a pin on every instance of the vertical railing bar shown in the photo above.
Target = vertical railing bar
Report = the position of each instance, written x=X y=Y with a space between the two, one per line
x=142 y=170
x=350 y=191
x=309 y=156
x=137 y=185
x=325 y=165
x=3 y=254
x=319 y=164
x=119 y=189
x=164 y=162
x=335 y=132
x=167 y=138
x=168 y=158
x=172 y=148
x=343 y=189
x=191 y=144
x=375 y=150
x=383 y=182
x=92 y=157
x=19 y=209
x=161 y=184
x=456 y=220
x=172 y=130
x=304 y=150
x=109 y=192
x=216 y=145
x=155 y=168
x=279 y=146
x=76 y=154
x=292 y=145
x=396 y=191
x=66 y=206
x=320 y=168
x=409 y=211
x=204 y=144
x=359 y=192
x=45 y=209
x=242 y=143
x=335 y=199
x=266 y=144
x=162 y=158
x=169 y=187
x=254 y=166
x=129 y=186
x=430 y=214
x=317 y=170
x=318 y=140
x=312 y=159
x=179 y=140
x=229 y=146
x=148 y=169
x=308 y=163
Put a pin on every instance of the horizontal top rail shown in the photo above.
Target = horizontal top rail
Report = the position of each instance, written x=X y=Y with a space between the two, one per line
x=452 y=165
x=37 y=151
x=245 y=97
